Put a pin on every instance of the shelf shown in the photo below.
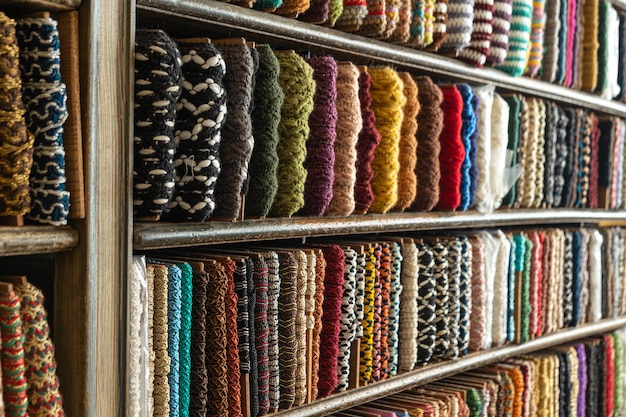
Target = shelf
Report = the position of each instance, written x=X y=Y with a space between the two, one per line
x=39 y=5
x=36 y=239
x=434 y=372
x=163 y=235
x=208 y=17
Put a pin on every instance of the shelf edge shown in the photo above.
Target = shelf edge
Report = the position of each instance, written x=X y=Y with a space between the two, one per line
x=165 y=235
x=431 y=373
x=229 y=16
x=28 y=240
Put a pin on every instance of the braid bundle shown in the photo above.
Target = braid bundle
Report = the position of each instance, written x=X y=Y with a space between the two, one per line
x=429 y=126
x=16 y=141
x=401 y=34
x=442 y=299
x=465 y=294
x=452 y=152
x=14 y=380
x=378 y=318
x=317 y=12
x=392 y=10
x=385 y=305
x=407 y=326
x=45 y=100
x=502 y=10
x=538 y=25
x=301 y=286
x=320 y=276
x=287 y=305
x=551 y=41
x=453 y=246
x=199 y=377
x=482 y=27
x=387 y=103
x=550 y=154
x=261 y=331
x=321 y=151
x=232 y=342
x=440 y=20
x=478 y=289
x=416 y=28
x=173 y=334
x=296 y=81
x=335 y=9
x=331 y=320
x=394 y=307
x=367 y=339
x=216 y=363
x=200 y=114
x=369 y=138
x=268 y=100
x=254 y=375
x=271 y=259
x=186 y=286
x=348 y=319
x=349 y=124
x=292 y=8
x=237 y=141
x=426 y=292
x=407 y=181
x=473 y=139
x=429 y=20
x=157 y=90
x=243 y=316
x=161 y=392
x=375 y=22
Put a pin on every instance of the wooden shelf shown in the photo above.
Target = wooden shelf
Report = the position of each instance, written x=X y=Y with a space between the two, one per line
x=163 y=235
x=36 y=239
x=209 y=17
x=434 y=372
x=38 y=5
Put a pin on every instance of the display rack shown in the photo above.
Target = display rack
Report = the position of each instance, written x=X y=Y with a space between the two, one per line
x=190 y=18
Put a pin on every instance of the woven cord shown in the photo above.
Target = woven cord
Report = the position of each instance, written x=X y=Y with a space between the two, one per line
x=273 y=267
x=161 y=393
x=320 y=276
x=184 y=348
x=287 y=306
x=465 y=294
x=426 y=329
x=232 y=342
x=301 y=390
x=454 y=296
x=407 y=327
x=174 y=276
x=12 y=356
x=394 y=309
x=367 y=339
x=261 y=332
x=385 y=292
x=199 y=377
x=348 y=319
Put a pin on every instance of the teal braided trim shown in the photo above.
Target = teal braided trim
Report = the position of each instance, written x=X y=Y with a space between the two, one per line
x=184 y=348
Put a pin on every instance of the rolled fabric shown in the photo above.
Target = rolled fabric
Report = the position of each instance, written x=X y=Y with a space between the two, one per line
x=519 y=38
x=499 y=142
x=551 y=41
x=485 y=96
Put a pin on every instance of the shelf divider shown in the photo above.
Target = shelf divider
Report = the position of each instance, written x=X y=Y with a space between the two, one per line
x=210 y=15
x=164 y=235
x=28 y=240
x=434 y=372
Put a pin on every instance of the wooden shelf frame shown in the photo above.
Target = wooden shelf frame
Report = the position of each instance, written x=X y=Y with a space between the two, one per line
x=28 y=240
x=161 y=235
x=203 y=17
x=434 y=372
x=40 y=5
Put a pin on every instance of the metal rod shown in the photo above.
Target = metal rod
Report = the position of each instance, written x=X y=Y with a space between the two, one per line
x=163 y=235
x=251 y=22
x=431 y=373
x=36 y=239
x=39 y=5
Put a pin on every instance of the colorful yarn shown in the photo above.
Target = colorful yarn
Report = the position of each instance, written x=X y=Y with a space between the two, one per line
x=511 y=308
x=426 y=329
x=590 y=45
x=519 y=38
x=551 y=41
x=15 y=384
x=429 y=127
x=499 y=142
x=417 y=29
x=369 y=138
x=348 y=319
x=458 y=26
x=429 y=20
x=538 y=25
x=377 y=349
x=388 y=101
x=200 y=114
x=562 y=154
x=349 y=124
x=452 y=152
x=320 y=153
x=478 y=285
x=267 y=5
x=331 y=319
x=199 y=377
x=16 y=145
x=354 y=11
x=296 y=81
x=320 y=276
x=440 y=19
x=482 y=28
x=393 y=320
x=247 y=269
x=392 y=10
x=45 y=97
x=499 y=46
x=407 y=328
x=266 y=112
x=402 y=32
x=385 y=297
x=232 y=342
x=300 y=331
x=475 y=101
x=216 y=362
x=292 y=8
x=407 y=182
x=317 y=12
x=287 y=306
x=161 y=392
x=467 y=129
x=153 y=137
x=523 y=256
x=174 y=276
x=454 y=296
x=261 y=331
x=243 y=316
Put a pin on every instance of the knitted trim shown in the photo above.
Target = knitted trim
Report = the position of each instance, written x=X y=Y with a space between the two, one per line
x=552 y=116
x=519 y=38
x=388 y=101
x=499 y=142
x=367 y=340
x=429 y=126
x=465 y=294
x=502 y=14
x=348 y=319
x=320 y=144
x=161 y=393
x=199 y=377
x=153 y=137
x=407 y=330
x=320 y=276
x=173 y=334
x=458 y=26
x=467 y=130
x=296 y=81
x=478 y=311
x=485 y=96
x=375 y=22
x=482 y=28
x=349 y=124
x=417 y=29
x=292 y=8
x=186 y=288
x=551 y=41
x=385 y=298
x=426 y=329
x=197 y=159
x=538 y=25
x=394 y=308
x=407 y=181
x=402 y=32
x=300 y=329
x=248 y=271
x=352 y=15
x=261 y=331
x=378 y=317
x=500 y=290
x=287 y=306
x=590 y=45
x=454 y=296
x=317 y=12
x=232 y=342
